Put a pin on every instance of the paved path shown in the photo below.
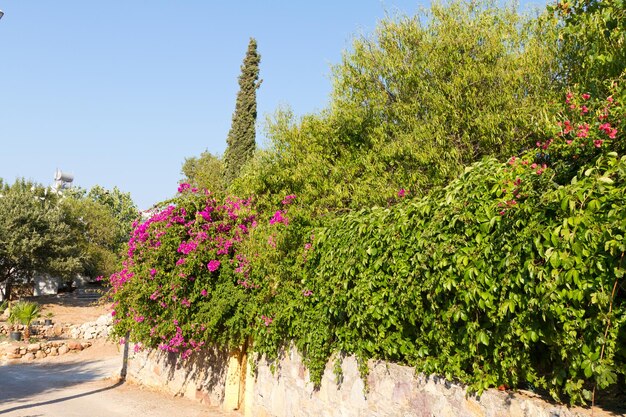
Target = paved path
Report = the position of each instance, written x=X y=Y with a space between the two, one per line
x=86 y=388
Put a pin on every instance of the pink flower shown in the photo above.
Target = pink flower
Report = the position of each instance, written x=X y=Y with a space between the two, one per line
x=203 y=292
x=402 y=192
x=267 y=320
x=584 y=110
x=279 y=218
x=606 y=128
x=183 y=187
x=213 y=265
x=153 y=272
x=598 y=143
x=609 y=99
x=187 y=247
x=586 y=96
x=307 y=293
x=567 y=127
x=533 y=166
x=288 y=199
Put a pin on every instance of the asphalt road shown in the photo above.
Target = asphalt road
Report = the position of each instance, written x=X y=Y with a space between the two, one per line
x=86 y=388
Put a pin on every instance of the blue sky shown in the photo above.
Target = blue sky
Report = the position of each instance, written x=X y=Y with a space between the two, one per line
x=119 y=93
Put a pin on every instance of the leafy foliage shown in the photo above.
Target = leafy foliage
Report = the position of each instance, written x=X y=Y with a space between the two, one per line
x=593 y=42
x=241 y=139
x=502 y=277
x=411 y=106
x=508 y=275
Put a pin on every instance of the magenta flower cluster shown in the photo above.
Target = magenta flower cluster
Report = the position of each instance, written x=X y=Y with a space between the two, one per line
x=280 y=217
x=173 y=258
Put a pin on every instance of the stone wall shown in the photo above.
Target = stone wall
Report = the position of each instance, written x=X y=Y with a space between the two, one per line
x=32 y=351
x=393 y=390
x=101 y=328
x=202 y=377
x=56 y=330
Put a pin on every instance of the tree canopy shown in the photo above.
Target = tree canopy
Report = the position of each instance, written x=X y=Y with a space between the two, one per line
x=413 y=104
x=204 y=172
x=34 y=235
x=61 y=234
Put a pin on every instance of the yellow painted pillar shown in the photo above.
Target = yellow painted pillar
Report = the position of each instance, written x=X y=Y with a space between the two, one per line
x=233 y=382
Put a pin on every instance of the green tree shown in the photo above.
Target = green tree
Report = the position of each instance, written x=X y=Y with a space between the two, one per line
x=121 y=207
x=34 y=236
x=412 y=105
x=100 y=222
x=96 y=234
x=241 y=137
x=204 y=172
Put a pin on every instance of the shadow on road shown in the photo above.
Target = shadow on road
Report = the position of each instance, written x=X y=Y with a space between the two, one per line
x=58 y=400
x=21 y=381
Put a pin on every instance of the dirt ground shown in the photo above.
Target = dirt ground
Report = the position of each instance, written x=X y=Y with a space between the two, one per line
x=69 y=309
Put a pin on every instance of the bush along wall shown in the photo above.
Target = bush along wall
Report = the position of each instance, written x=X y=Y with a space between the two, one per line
x=511 y=276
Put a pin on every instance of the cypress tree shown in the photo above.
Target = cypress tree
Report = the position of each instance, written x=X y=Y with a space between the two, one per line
x=241 y=141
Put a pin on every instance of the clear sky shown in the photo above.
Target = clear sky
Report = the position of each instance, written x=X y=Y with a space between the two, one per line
x=119 y=93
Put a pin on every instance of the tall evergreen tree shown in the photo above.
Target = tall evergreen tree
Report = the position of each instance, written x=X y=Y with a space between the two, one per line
x=241 y=137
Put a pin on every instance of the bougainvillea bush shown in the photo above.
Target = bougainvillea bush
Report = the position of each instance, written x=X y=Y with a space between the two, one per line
x=184 y=281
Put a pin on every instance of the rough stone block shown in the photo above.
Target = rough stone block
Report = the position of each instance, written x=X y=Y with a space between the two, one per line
x=74 y=345
x=33 y=347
